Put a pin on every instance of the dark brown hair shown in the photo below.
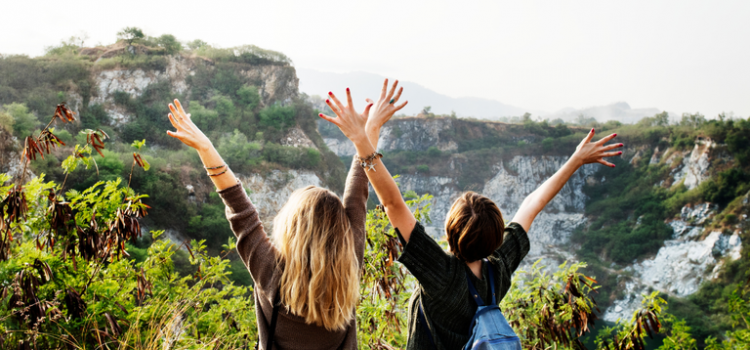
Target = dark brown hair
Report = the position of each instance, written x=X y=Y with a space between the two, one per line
x=474 y=227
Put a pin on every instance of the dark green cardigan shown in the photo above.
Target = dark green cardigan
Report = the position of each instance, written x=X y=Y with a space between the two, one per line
x=443 y=289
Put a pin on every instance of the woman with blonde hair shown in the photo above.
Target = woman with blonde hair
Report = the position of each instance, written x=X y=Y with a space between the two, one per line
x=484 y=251
x=307 y=275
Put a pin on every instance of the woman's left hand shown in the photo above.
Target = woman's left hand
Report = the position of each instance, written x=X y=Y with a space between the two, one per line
x=351 y=123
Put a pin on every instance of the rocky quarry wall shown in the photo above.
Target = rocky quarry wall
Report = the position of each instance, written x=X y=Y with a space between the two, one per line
x=692 y=256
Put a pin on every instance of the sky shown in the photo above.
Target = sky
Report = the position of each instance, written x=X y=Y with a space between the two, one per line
x=679 y=56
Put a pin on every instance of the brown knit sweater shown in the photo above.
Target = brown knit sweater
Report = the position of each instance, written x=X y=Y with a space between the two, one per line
x=259 y=255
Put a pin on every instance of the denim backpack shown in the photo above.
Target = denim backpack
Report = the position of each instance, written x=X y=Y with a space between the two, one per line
x=489 y=330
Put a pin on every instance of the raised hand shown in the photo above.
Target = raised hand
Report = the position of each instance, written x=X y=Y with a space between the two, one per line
x=187 y=131
x=595 y=152
x=351 y=123
x=385 y=108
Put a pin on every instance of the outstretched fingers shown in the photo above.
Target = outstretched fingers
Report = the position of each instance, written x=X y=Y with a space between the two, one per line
x=612 y=146
x=173 y=121
x=611 y=154
x=366 y=113
x=602 y=161
x=589 y=136
x=336 y=101
x=400 y=106
x=606 y=139
x=333 y=107
x=349 y=101
x=393 y=89
x=398 y=95
x=180 y=109
x=331 y=120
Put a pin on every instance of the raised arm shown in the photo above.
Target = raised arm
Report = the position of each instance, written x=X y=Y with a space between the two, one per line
x=355 y=126
x=190 y=135
x=586 y=152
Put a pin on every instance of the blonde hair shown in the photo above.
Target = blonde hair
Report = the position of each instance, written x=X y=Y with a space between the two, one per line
x=319 y=267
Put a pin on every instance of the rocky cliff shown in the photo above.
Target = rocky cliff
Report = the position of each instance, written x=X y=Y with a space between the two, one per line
x=274 y=82
x=691 y=257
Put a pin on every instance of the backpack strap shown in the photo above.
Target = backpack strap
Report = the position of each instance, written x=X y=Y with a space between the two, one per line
x=274 y=318
x=491 y=271
x=475 y=294
x=473 y=290
x=423 y=321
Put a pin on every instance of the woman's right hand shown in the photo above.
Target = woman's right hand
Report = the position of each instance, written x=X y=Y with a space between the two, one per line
x=386 y=107
x=594 y=152
x=187 y=131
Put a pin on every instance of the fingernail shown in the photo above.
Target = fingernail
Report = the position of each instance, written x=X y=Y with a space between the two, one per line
x=620 y=152
x=328 y=101
x=320 y=115
x=615 y=135
x=621 y=145
x=330 y=93
x=592 y=130
x=347 y=89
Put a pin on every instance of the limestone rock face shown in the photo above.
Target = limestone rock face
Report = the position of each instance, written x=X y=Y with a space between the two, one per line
x=295 y=137
x=342 y=148
x=414 y=134
x=270 y=193
x=275 y=83
x=692 y=256
x=695 y=166
x=678 y=268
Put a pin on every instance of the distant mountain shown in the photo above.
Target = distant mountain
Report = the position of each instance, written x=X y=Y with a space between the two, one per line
x=313 y=82
x=619 y=111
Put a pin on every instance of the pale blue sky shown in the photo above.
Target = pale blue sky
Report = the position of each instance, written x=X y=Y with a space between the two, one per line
x=680 y=56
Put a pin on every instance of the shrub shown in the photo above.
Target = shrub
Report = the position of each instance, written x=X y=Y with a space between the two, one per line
x=238 y=152
x=206 y=119
x=169 y=43
x=277 y=117
x=24 y=121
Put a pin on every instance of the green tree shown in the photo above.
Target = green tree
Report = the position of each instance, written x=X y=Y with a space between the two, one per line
x=248 y=97
x=238 y=152
x=24 y=121
x=196 y=44
x=169 y=43
x=130 y=35
x=277 y=117
x=205 y=119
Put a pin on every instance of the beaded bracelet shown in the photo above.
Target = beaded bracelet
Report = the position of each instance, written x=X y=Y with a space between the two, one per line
x=215 y=167
x=369 y=162
x=217 y=174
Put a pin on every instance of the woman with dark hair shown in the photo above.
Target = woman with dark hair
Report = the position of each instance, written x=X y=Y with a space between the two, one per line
x=475 y=231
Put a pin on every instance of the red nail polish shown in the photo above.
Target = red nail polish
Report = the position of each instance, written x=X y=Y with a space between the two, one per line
x=347 y=89
x=621 y=145
x=592 y=130
x=330 y=93
x=328 y=101
x=615 y=134
x=620 y=152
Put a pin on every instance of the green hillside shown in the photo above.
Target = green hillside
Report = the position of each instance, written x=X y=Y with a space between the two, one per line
x=77 y=273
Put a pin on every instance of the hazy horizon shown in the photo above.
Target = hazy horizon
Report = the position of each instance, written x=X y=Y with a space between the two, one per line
x=677 y=56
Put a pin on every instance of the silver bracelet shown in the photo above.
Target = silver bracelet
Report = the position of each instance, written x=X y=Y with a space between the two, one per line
x=368 y=163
